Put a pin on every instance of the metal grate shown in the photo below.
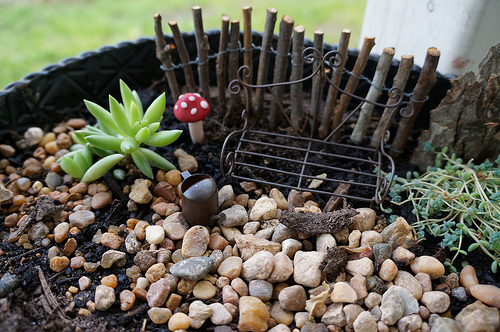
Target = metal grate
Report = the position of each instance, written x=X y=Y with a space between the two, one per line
x=259 y=155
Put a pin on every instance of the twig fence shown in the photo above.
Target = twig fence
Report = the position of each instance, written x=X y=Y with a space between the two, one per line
x=316 y=126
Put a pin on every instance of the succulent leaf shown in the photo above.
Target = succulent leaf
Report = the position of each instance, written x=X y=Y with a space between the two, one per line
x=129 y=145
x=127 y=96
x=155 y=110
x=163 y=138
x=142 y=135
x=154 y=127
x=78 y=137
x=101 y=167
x=71 y=167
x=101 y=115
x=138 y=101
x=142 y=163
x=105 y=142
x=120 y=117
x=135 y=113
x=157 y=160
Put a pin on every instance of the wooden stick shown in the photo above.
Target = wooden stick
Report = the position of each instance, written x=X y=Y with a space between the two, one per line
x=399 y=82
x=232 y=70
x=163 y=54
x=221 y=66
x=247 y=47
x=383 y=65
x=280 y=67
x=351 y=85
x=265 y=55
x=183 y=55
x=202 y=47
x=426 y=81
x=318 y=83
x=331 y=99
x=296 y=99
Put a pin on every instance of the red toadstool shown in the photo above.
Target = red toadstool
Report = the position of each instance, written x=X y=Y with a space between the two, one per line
x=191 y=108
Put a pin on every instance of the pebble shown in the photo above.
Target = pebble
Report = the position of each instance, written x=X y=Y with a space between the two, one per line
x=240 y=286
x=230 y=233
x=306 y=268
x=231 y=267
x=425 y=281
x=127 y=300
x=199 y=312
x=363 y=266
x=468 y=278
x=354 y=238
x=110 y=281
x=351 y=312
x=260 y=289
x=437 y=302
x=364 y=220
x=283 y=268
x=444 y=324
x=81 y=218
x=175 y=226
x=217 y=257
x=101 y=199
x=7 y=151
x=365 y=322
x=217 y=242
x=84 y=283
x=159 y=315
x=220 y=315
x=459 y=293
x=179 y=321
x=392 y=309
x=370 y=238
x=53 y=180
x=165 y=209
x=249 y=245
x=69 y=247
x=408 y=281
x=173 y=177
x=111 y=240
x=282 y=232
x=251 y=227
x=343 y=293
x=248 y=186
x=324 y=241
x=156 y=272
x=279 y=198
x=358 y=283
x=38 y=231
x=293 y=298
x=195 y=241
x=487 y=294
x=410 y=323
x=204 y=290
x=158 y=293
x=8 y=284
x=140 y=191
x=410 y=303
x=165 y=190
x=226 y=197
x=482 y=319
x=229 y=295
x=399 y=233
x=144 y=260
x=234 y=216
x=132 y=245
x=403 y=256
x=186 y=162
x=282 y=316
x=6 y=195
x=265 y=233
x=314 y=327
x=264 y=209
x=334 y=315
x=59 y=263
x=155 y=234
x=429 y=265
x=280 y=328
x=291 y=246
x=388 y=270
x=110 y=257
x=104 y=297
x=254 y=314
x=193 y=268
x=372 y=299
x=259 y=266
x=61 y=232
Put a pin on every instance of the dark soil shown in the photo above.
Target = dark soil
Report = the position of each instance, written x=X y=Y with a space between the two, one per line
x=28 y=307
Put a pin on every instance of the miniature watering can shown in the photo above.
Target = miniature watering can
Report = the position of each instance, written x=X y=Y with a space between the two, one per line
x=200 y=199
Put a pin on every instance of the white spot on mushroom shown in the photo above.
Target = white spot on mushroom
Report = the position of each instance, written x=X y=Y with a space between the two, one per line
x=204 y=104
x=184 y=104
x=180 y=97
x=192 y=98
x=194 y=111
x=197 y=94
x=176 y=107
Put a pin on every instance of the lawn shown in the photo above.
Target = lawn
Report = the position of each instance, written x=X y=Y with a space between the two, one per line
x=37 y=33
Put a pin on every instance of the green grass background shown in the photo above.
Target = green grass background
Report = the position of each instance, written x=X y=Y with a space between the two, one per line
x=37 y=33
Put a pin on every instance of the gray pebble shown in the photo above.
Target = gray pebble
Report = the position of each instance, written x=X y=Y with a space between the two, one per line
x=193 y=268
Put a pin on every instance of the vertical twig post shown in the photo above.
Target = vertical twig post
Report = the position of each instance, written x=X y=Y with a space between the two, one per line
x=202 y=47
x=296 y=102
x=221 y=66
x=163 y=54
x=265 y=54
x=399 y=82
x=426 y=81
x=183 y=55
x=247 y=47
x=383 y=65
x=232 y=69
x=280 y=67
x=331 y=99
x=351 y=85
x=318 y=83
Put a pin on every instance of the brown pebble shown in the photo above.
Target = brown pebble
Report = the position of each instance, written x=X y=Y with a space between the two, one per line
x=111 y=240
x=173 y=177
x=69 y=247
x=140 y=293
x=110 y=281
x=468 y=278
x=59 y=263
x=217 y=242
x=77 y=262
x=101 y=199
x=173 y=301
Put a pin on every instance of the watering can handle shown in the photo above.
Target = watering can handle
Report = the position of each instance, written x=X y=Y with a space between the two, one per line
x=185 y=174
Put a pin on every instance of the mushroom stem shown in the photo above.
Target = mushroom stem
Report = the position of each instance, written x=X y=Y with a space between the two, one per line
x=196 y=132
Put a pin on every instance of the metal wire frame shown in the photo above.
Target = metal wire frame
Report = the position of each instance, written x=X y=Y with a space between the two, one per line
x=234 y=161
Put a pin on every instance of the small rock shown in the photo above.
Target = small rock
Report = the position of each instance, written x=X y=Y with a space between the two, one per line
x=351 y=312
x=8 y=284
x=7 y=151
x=165 y=190
x=6 y=195
x=194 y=268
x=179 y=321
x=204 y=290
x=217 y=257
x=156 y=272
x=410 y=303
x=370 y=238
x=392 y=309
x=408 y=281
x=254 y=314
x=220 y=315
x=230 y=233
x=110 y=257
x=429 y=265
x=388 y=270
x=354 y=238
x=334 y=315
x=314 y=327
x=295 y=199
x=226 y=197
x=159 y=315
x=315 y=183
x=59 y=263
x=144 y=260
x=324 y=241
x=111 y=240
x=291 y=246
x=343 y=293
x=158 y=293
x=279 y=198
x=293 y=298
x=234 y=216
x=61 y=232
x=127 y=300
x=365 y=322
x=358 y=283
x=250 y=245
x=283 y=268
x=251 y=227
x=459 y=293
x=132 y=245
x=186 y=162
x=231 y=267
x=364 y=220
x=363 y=266
x=481 y=319
x=282 y=316
x=155 y=234
x=280 y=328
x=165 y=209
x=444 y=324
x=240 y=286
x=373 y=299
x=488 y=294
x=248 y=186
x=282 y=232
x=104 y=297
x=306 y=268
x=402 y=255
x=229 y=295
x=195 y=241
x=53 y=180
x=140 y=191
x=264 y=209
x=101 y=199
x=81 y=218
x=425 y=281
x=84 y=283
x=199 y=312
x=175 y=226
x=399 y=233
x=173 y=177
x=410 y=323
x=437 y=302
x=259 y=266
x=468 y=278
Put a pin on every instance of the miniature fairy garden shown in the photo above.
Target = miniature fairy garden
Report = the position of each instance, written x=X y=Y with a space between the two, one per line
x=254 y=198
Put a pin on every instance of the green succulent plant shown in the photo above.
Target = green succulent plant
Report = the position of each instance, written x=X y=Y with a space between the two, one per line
x=119 y=134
